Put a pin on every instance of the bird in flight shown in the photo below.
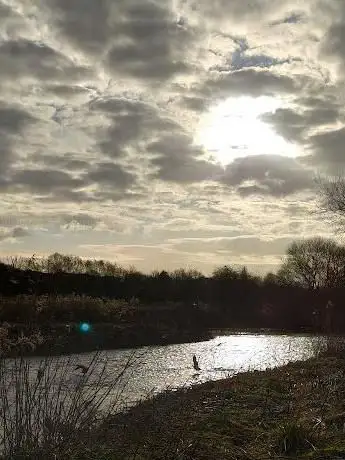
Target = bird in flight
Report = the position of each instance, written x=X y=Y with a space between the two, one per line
x=83 y=368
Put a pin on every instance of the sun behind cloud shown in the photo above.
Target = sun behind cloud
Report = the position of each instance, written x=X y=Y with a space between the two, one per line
x=233 y=129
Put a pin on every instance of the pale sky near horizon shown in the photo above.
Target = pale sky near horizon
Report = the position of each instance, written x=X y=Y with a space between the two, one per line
x=168 y=133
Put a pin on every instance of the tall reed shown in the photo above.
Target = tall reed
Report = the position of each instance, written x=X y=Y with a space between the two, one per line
x=47 y=410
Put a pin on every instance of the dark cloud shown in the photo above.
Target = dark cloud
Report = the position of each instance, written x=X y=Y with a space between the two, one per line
x=328 y=148
x=66 y=91
x=131 y=120
x=251 y=82
x=144 y=39
x=85 y=23
x=131 y=59
x=287 y=123
x=13 y=122
x=20 y=232
x=64 y=161
x=150 y=43
x=315 y=102
x=322 y=116
x=294 y=126
x=184 y=170
x=197 y=104
x=5 y=13
x=177 y=159
x=44 y=181
x=113 y=175
x=333 y=43
x=23 y=58
x=267 y=175
x=51 y=185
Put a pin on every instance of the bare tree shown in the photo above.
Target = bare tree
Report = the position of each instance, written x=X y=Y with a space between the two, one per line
x=332 y=200
x=225 y=272
x=313 y=263
x=15 y=261
x=332 y=192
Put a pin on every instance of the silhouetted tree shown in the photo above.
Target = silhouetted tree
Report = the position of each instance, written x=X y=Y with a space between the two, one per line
x=313 y=263
x=332 y=192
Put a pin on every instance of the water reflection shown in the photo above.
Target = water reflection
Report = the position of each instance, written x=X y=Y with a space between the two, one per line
x=157 y=368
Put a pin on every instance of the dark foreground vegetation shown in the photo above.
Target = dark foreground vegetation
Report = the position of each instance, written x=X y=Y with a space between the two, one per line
x=111 y=323
x=293 y=412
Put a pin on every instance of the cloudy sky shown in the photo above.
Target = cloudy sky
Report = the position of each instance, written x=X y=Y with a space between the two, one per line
x=168 y=133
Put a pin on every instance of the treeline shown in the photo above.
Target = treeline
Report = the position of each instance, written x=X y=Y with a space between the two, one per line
x=294 y=298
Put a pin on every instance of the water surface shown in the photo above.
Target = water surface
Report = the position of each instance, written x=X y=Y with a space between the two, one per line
x=157 y=368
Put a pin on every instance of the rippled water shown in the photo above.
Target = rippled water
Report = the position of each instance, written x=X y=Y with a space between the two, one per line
x=159 y=367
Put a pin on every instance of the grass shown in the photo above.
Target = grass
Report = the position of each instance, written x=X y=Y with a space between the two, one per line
x=49 y=412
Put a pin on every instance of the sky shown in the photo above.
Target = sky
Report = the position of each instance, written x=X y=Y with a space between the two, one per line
x=168 y=133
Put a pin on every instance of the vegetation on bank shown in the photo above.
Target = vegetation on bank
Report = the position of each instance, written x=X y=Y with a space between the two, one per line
x=111 y=323
x=297 y=298
x=130 y=309
x=295 y=411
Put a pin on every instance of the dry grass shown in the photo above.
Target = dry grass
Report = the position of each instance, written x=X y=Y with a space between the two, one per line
x=296 y=411
x=45 y=414
x=333 y=346
x=34 y=308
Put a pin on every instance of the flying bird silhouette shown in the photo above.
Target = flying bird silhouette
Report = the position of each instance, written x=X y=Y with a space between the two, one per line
x=83 y=368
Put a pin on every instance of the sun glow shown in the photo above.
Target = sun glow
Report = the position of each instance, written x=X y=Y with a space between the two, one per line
x=234 y=129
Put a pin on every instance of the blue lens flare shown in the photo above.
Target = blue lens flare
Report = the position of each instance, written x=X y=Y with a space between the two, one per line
x=85 y=327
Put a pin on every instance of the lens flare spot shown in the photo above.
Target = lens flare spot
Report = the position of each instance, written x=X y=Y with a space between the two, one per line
x=85 y=328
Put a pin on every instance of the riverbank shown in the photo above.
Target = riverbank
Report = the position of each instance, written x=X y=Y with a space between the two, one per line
x=107 y=324
x=62 y=339
x=296 y=411
x=55 y=320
